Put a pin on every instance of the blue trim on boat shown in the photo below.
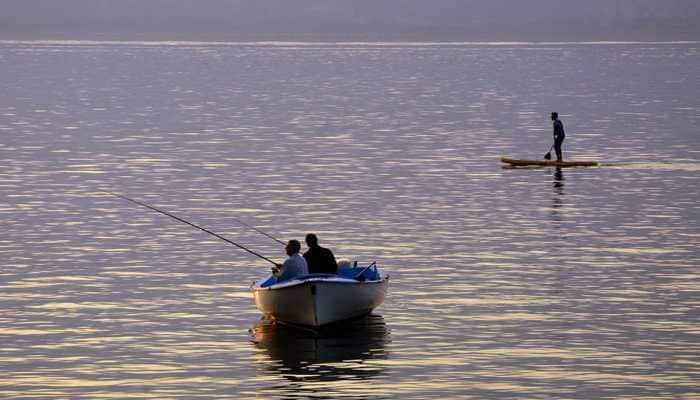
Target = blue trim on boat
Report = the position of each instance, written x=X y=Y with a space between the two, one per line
x=368 y=274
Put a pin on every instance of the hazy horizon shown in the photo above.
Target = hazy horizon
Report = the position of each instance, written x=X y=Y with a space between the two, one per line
x=449 y=20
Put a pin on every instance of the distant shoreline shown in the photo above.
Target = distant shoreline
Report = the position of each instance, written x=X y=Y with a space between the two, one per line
x=292 y=43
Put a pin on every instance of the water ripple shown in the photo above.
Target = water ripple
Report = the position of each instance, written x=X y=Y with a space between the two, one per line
x=505 y=283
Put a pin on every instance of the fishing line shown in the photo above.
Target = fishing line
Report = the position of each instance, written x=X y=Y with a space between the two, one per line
x=193 y=225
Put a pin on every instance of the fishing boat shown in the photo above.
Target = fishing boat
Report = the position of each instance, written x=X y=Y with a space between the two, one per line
x=547 y=163
x=315 y=300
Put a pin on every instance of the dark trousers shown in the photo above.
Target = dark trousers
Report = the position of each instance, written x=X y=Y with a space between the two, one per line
x=557 y=148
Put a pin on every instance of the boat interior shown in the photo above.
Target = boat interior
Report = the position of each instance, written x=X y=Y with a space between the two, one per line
x=368 y=273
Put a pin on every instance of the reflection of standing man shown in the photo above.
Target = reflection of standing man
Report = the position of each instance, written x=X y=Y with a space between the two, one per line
x=557 y=209
x=558 y=181
x=558 y=135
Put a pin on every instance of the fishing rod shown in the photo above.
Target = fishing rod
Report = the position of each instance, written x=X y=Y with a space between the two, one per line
x=192 y=225
x=259 y=231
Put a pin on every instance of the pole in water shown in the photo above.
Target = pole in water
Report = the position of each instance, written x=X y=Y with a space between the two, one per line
x=192 y=225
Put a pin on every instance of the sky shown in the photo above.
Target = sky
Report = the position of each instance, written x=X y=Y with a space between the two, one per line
x=401 y=20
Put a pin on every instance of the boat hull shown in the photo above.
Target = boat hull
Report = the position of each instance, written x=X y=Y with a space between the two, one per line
x=545 y=163
x=319 y=301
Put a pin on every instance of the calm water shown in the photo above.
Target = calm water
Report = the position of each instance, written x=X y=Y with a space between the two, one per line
x=505 y=283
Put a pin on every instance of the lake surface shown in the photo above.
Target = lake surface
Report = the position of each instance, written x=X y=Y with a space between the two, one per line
x=505 y=283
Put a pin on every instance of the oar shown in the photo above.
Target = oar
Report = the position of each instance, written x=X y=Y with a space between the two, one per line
x=357 y=277
x=192 y=225
x=548 y=156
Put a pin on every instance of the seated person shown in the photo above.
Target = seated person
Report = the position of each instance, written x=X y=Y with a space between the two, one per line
x=294 y=266
x=319 y=259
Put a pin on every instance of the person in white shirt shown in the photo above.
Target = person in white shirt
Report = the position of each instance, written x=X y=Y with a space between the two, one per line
x=294 y=266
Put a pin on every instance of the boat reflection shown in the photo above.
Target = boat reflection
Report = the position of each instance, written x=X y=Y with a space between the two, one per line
x=339 y=352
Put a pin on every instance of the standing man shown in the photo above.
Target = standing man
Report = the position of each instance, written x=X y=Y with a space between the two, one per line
x=319 y=259
x=294 y=266
x=558 y=135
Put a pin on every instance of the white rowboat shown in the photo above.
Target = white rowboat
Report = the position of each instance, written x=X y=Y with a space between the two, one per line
x=321 y=299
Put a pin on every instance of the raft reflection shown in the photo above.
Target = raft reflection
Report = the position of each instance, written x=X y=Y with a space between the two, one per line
x=340 y=352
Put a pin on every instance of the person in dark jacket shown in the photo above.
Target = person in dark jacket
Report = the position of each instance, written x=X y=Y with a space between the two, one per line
x=319 y=259
x=558 y=136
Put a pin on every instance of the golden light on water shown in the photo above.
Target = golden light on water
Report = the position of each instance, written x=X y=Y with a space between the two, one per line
x=505 y=283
